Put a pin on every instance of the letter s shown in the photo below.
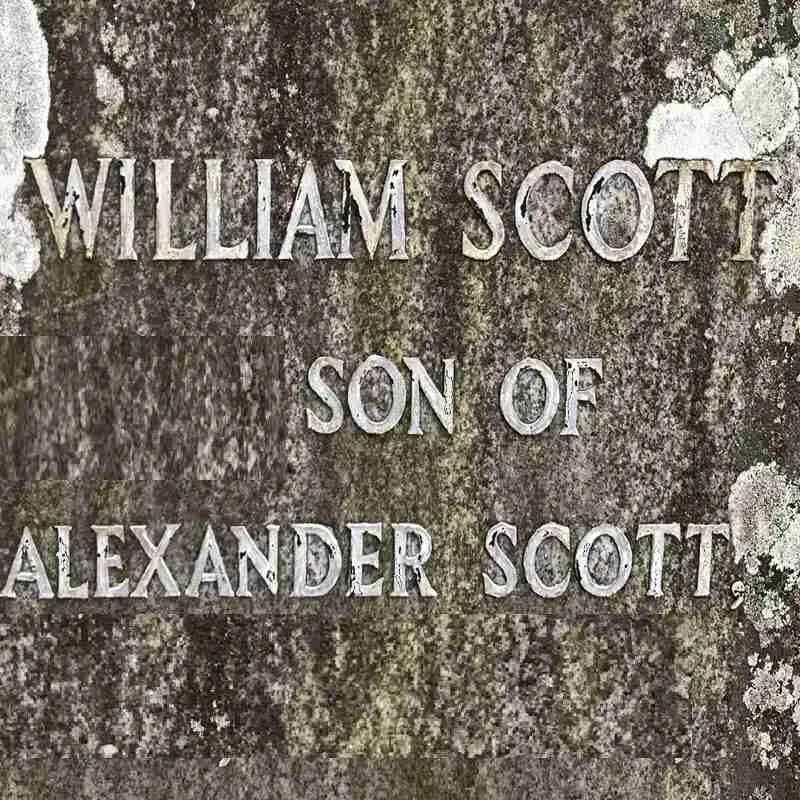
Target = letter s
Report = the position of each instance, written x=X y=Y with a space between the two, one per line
x=485 y=206
x=326 y=394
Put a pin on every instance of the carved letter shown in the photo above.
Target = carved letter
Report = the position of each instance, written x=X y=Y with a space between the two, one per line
x=326 y=394
x=625 y=560
x=392 y=202
x=156 y=564
x=28 y=568
x=264 y=210
x=65 y=568
x=107 y=562
x=490 y=215
x=333 y=566
x=552 y=396
x=547 y=531
x=532 y=244
x=705 y=553
x=164 y=249
x=683 y=198
x=657 y=534
x=442 y=404
x=75 y=197
x=359 y=559
x=748 y=171
x=498 y=555
x=404 y=560
x=209 y=549
x=357 y=410
x=249 y=553
x=589 y=211
x=127 y=209
x=215 y=250
x=307 y=194
x=577 y=395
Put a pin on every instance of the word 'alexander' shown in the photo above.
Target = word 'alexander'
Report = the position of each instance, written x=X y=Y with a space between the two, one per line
x=307 y=216
x=317 y=563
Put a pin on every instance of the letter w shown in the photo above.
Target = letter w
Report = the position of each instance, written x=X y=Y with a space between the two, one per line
x=75 y=197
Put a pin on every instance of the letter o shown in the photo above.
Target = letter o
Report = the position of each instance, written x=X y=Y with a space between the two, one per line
x=623 y=546
x=532 y=244
x=552 y=397
x=589 y=211
x=548 y=531
x=359 y=414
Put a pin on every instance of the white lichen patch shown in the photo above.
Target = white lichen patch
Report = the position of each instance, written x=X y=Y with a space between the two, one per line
x=117 y=46
x=724 y=68
x=24 y=108
x=678 y=68
x=765 y=103
x=756 y=121
x=769 y=613
x=743 y=49
x=779 y=242
x=763 y=507
x=772 y=690
x=111 y=95
x=755 y=117
x=789 y=328
x=780 y=245
x=109 y=90
x=681 y=130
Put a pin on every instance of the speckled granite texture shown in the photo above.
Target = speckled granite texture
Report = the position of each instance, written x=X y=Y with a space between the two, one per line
x=175 y=392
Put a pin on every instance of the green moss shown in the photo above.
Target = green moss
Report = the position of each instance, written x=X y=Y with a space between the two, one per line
x=42 y=504
x=111 y=500
x=33 y=786
x=683 y=782
x=704 y=644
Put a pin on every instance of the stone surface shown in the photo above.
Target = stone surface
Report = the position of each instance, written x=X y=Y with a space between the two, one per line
x=161 y=392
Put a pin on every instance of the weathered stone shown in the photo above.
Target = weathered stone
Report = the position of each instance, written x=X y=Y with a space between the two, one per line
x=153 y=392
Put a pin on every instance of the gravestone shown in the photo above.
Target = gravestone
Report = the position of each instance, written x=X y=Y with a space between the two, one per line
x=400 y=400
